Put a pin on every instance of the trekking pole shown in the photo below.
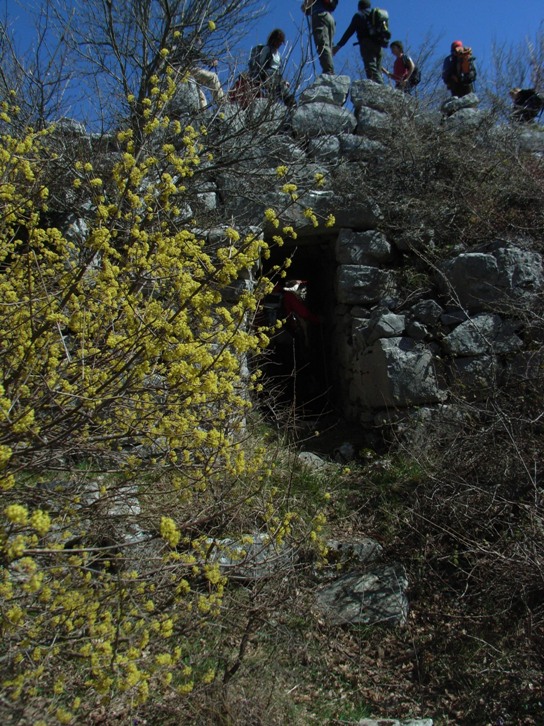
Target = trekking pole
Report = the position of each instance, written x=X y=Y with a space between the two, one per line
x=312 y=56
x=306 y=5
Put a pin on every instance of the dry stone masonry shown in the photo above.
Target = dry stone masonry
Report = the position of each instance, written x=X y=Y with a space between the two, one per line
x=388 y=358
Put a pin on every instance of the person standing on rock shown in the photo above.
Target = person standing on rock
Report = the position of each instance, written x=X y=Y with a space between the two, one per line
x=403 y=68
x=323 y=29
x=459 y=70
x=368 y=39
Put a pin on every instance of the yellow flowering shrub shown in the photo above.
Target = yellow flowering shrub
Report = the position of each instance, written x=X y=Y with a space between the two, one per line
x=122 y=370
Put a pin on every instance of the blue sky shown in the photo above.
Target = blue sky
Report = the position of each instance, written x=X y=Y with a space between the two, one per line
x=420 y=24
x=478 y=23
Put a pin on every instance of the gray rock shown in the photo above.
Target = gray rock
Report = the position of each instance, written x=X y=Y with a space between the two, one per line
x=427 y=311
x=520 y=272
x=312 y=461
x=475 y=376
x=324 y=148
x=482 y=334
x=385 y=325
x=185 y=99
x=358 y=148
x=353 y=552
x=416 y=330
x=327 y=89
x=361 y=284
x=467 y=120
x=375 y=597
x=453 y=317
x=253 y=557
x=378 y=96
x=361 y=213
x=455 y=104
x=322 y=119
x=472 y=278
x=532 y=140
x=395 y=372
x=360 y=248
x=374 y=124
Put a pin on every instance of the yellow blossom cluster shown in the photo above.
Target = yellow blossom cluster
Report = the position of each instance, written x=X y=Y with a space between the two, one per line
x=122 y=353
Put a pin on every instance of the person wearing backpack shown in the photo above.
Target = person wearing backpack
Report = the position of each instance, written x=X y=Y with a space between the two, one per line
x=323 y=29
x=265 y=69
x=459 y=70
x=405 y=74
x=372 y=29
x=263 y=78
x=527 y=104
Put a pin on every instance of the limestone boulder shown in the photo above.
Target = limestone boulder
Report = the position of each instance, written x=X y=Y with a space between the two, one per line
x=482 y=335
x=373 y=124
x=327 y=89
x=322 y=119
x=361 y=248
x=381 y=97
x=376 y=597
x=362 y=284
x=396 y=372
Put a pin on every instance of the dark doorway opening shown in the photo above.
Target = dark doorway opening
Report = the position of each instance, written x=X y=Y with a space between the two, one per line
x=297 y=370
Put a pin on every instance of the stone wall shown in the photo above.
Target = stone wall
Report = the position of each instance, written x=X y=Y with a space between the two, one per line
x=462 y=338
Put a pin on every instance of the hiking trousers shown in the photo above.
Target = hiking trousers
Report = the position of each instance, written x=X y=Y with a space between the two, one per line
x=323 y=27
x=208 y=80
x=371 y=53
x=460 y=89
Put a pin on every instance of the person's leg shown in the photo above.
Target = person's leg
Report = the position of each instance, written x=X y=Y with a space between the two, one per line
x=209 y=80
x=371 y=53
x=323 y=27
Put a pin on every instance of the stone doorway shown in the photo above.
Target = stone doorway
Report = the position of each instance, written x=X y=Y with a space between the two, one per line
x=299 y=368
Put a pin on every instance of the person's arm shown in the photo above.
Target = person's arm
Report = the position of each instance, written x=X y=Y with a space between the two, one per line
x=447 y=70
x=352 y=27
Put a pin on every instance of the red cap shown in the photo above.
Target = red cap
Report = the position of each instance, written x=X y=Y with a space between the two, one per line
x=456 y=44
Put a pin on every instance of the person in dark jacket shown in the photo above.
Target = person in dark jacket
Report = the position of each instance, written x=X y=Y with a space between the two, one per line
x=458 y=70
x=323 y=29
x=527 y=104
x=371 y=50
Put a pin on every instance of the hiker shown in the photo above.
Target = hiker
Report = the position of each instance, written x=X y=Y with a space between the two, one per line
x=527 y=104
x=297 y=313
x=292 y=362
x=323 y=29
x=265 y=68
x=187 y=56
x=459 y=70
x=403 y=68
x=263 y=78
x=371 y=27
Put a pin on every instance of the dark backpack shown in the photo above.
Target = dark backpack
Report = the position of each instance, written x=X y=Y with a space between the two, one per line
x=529 y=98
x=256 y=67
x=378 y=26
x=415 y=78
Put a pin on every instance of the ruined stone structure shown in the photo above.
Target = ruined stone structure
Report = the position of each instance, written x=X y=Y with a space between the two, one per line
x=381 y=355
x=384 y=357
